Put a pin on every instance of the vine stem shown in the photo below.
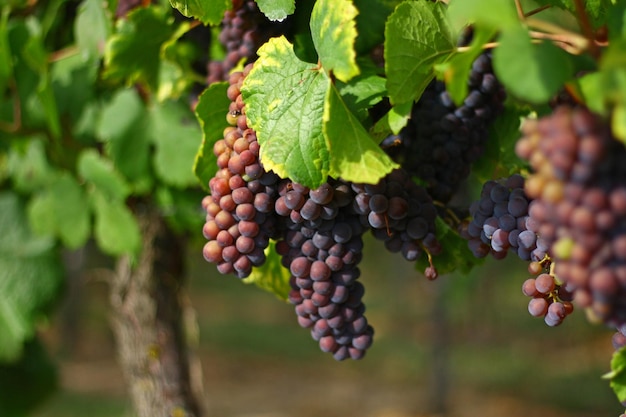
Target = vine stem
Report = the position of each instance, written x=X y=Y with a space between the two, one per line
x=585 y=26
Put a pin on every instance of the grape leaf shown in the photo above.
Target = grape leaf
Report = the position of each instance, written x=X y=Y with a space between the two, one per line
x=30 y=277
x=272 y=276
x=530 y=72
x=61 y=210
x=211 y=112
x=285 y=103
x=495 y=14
x=617 y=375
x=133 y=53
x=370 y=22
x=6 y=61
x=176 y=136
x=181 y=210
x=417 y=38
x=92 y=28
x=102 y=175
x=333 y=29
x=28 y=165
x=73 y=80
x=116 y=230
x=123 y=126
x=276 y=10
x=362 y=92
x=206 y=11
x=355 y=156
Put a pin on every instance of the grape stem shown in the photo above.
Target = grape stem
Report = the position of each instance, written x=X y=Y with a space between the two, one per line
x=522 y=15
x=572 y=42
x=585 y=26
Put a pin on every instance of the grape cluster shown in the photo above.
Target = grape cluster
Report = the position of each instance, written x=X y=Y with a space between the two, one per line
x=318 y=232
x=578 y=187
x=401 y=214
x=500 y=222
x=548 y=298
x=442 y=139
x=322 y=248
x=244 y=29
x=240 y=210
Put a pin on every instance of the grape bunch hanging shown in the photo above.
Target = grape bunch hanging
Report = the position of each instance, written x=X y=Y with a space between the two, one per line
x=318 y=231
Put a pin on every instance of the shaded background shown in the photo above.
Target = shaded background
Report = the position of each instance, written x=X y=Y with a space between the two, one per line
x=463 y=345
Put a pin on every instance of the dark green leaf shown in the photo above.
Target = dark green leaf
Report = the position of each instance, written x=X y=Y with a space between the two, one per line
x=28 y=165
x=417 y=38
x=495 y=14
x=116 y=230
x=30 y=277
x=102 y=175
x=176 y=135
x=92 y=28
x=211 y=113
x=124 y=127
x=617 y=376
x=530 y=72
x=133 y=53
x=62 y=210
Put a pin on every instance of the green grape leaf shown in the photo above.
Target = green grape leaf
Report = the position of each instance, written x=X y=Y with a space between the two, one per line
x=356 y=156
x=456 y=255
x=28 y=165
x=102 y=175
x=73 y=80
x=272 y=276
x=333 y=29
x=285 y=104
x=6 y=59
x=26 y=383
x=399 y=116
x=495 y=14
x=530 y=72
x=116 y=230
x=362 y=92
x=370 y=22
x=207 y=11
x=417 y=37
x=61 y=210
x=211 y=112
x=618 y=121
x=616 y=22
x=123 y=126
x=30 y=277
x=133 y=52
x=276 y=10
x=176 y=136
x=181 y=210
x=36 y=57
x=92 y=27
x=617 y=375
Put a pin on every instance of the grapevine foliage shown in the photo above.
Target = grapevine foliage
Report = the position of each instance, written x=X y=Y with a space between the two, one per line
x=452 y=93
x=453 y=131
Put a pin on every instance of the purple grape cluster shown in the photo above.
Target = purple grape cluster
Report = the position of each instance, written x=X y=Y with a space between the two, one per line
x=244 y=29
x=322 y=248
x=500 y=222
x=578 y=187
x=401 y=214
x=442 y=139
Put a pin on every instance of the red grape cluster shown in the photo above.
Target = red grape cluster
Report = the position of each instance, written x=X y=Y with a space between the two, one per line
x=240 y=210
x=548 y=298
x=578 y=187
